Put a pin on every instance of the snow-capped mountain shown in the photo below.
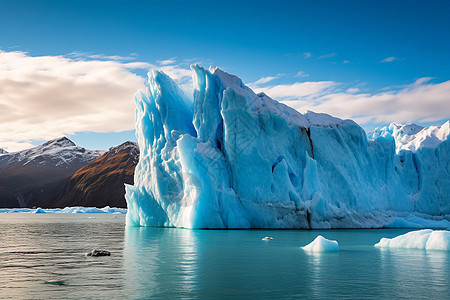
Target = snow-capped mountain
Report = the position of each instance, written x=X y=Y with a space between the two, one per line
x=131 y=148
x=60 y=152
x=236 y=159
x=3 y=151
x=37 y=176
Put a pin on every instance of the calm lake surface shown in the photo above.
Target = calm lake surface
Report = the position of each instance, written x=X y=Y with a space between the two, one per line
x=42 y=257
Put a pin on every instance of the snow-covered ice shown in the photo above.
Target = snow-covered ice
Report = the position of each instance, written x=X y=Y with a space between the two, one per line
x=235 y=159
x=321 y=244
x=411 y=136
x=422 y=239
x=67 y=210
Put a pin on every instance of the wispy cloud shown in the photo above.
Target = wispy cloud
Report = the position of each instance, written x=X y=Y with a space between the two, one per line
x=265 y=80
x=301 y=74
x=44 y=97
x=170 y=61
x=101 y=56
x=352 y=90
x=307 y=55
x=389 y=59
x=346 y=62
x=327 y=55
x=420 y=101
x=297 y=90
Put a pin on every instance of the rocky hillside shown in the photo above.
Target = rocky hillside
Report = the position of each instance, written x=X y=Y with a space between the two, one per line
x=101 y=182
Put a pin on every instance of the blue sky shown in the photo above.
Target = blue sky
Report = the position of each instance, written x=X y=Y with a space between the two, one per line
x=355 y=52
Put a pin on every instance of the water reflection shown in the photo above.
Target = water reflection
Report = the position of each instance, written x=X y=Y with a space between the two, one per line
x=409 y=269
x=159 y=262
x=175 y=263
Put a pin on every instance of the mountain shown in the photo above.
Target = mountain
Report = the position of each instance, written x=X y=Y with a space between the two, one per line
x=37 y=176
x=3 y=151
x=236 y=159
x=101 y=182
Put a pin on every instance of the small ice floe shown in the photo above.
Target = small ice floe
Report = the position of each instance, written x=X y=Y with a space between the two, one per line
x=267 y=238
x=95 y=252
x=426 y=239
x=39 y=211
x=321 y=244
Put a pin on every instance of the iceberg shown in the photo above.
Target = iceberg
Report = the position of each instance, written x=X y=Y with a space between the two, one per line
x=321 y=244
x=231 y=158
x=426 y=239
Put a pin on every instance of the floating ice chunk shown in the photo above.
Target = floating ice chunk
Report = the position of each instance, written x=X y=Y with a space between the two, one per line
x=321 y=244
x=39 y=211
x=421 y=239
x=267 y=238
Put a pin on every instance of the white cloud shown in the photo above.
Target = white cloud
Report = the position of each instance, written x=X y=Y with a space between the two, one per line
x=328 y=55
x=420 y=101
x=297 y=90
x=389 y=59
x=264 y=80
x=307 y=55
x=352 y=90
x=301 y=74
x=170 y=61
x=43 y=97
x=101 y=56
x=346 y=62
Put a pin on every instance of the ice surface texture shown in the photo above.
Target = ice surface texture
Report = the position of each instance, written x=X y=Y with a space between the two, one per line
x=235 y=159
x=422 y=239
x=321 y=244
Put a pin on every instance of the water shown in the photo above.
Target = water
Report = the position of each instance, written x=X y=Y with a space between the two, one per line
x=42 y=257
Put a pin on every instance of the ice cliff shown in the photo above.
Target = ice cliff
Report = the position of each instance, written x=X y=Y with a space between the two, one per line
x=235 y=159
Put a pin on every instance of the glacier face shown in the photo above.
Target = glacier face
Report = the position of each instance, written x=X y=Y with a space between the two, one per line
x=236 y=159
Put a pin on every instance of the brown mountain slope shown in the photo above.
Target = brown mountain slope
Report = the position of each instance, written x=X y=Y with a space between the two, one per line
x=101 y=182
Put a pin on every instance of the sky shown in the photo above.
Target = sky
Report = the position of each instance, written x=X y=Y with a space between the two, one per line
x=72 y=67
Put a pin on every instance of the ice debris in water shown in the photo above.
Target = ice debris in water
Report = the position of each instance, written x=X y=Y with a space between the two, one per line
x=321 y=244
x=426 y=239
x=67 y=210
x=267 y=238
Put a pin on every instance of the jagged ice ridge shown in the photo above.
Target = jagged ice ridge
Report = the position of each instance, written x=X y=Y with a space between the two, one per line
x=235 y=159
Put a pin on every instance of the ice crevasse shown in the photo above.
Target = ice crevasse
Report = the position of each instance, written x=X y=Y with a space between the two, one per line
x=231 y=158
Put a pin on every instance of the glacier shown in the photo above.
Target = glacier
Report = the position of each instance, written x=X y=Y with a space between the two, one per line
x=231 y=158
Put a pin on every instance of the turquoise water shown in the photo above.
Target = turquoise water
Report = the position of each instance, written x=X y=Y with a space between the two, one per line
x=42 y=256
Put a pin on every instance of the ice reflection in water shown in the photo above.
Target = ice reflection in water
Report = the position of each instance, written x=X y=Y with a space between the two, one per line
x=415 y=267
x=159 y=262
x=176 y=263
